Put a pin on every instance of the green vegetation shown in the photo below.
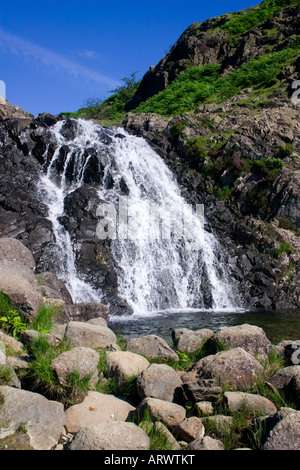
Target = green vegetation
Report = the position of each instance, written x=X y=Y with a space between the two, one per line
x=155 y=431
x=259 y=199
x=177 y=129
x=14 y=323
x=287 y=224
x=10 y=320
x=224 y=193
x=40 y=374
x=286 y=151
x=285 y=247
x=198 y=85
x=269 y=169
x=239 y=23
x=197 y=150
x=44 y=320
x=5 y=374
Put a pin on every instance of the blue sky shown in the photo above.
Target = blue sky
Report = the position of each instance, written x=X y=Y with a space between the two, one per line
x=56 y=54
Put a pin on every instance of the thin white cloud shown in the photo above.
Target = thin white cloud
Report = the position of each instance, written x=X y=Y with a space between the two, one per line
x=90 y=54
x=28 y=49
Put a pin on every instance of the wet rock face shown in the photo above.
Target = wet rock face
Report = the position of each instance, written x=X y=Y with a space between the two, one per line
x=22 y=214
x=25 y=154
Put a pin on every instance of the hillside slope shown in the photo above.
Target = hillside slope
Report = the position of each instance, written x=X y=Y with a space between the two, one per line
x=262 y=39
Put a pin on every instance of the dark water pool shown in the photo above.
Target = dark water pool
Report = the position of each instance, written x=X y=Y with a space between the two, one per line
x=278 y=325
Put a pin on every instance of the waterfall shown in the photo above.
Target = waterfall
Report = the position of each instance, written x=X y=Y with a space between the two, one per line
x=156 y=269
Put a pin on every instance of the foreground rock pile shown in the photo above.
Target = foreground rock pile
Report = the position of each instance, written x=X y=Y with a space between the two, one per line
x=191 y=407
x=101 y=421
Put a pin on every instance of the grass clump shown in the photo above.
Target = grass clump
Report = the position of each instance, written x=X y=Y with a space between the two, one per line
x=285 y=247
x=223 y=194
x=40 y=373
x=45 y=318
x=5 y=375
x=78 y=385
x=177 y=129
x=287 y=224
x=286 y=150
x=269 y=169
x=197 y=151
x=156 y=431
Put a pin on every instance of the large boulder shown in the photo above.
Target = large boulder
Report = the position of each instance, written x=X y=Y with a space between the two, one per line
x=124 y=364
x=287 y=380
x=190 y=429
x=190 y=341
x=12 y=343
x=171 y=414
x=13 y=250
x=115 y=435
x=43 y=419
x=285 y=435
x=236 y=368
x=19 y=283
x=97 y=408
x=82 y=360
x=284 y=377
x=255 y=404
x=17 y=279
x=53 y=287
x=251 y=338
x=159 y=381
x=153 y=347
x=202 y=390
x=89 y=335
x=205 y=443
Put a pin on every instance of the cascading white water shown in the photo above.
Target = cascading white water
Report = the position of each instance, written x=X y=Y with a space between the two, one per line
x=155 y=272
x=54 y=190
x=163 y=273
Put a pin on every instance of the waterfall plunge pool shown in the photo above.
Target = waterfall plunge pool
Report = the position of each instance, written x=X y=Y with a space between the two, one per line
x=277 y=324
